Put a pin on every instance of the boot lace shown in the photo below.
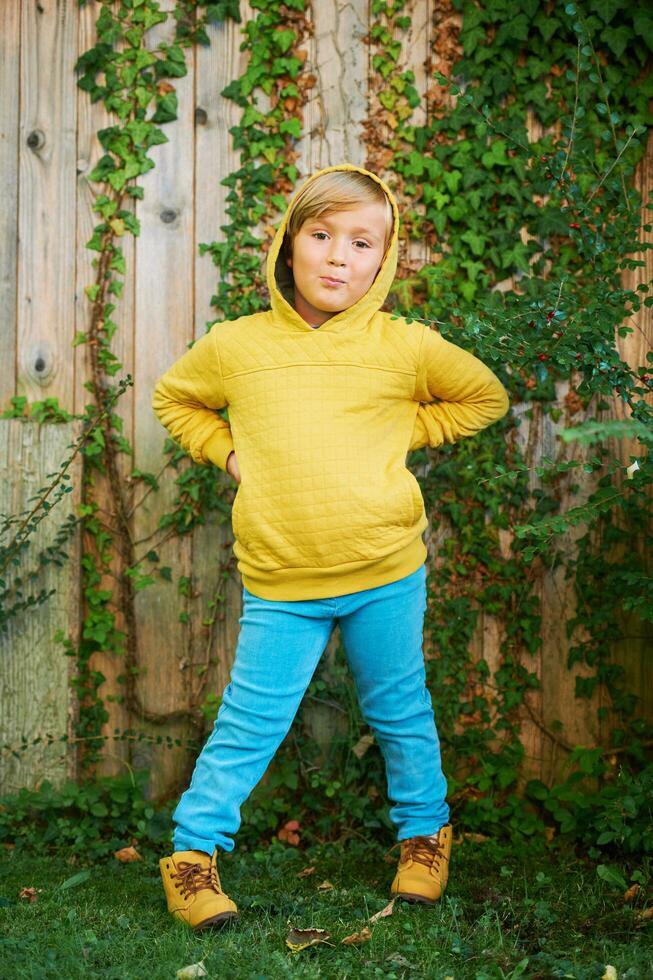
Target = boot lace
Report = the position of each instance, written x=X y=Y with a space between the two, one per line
x=421 y=850
x=193 y=877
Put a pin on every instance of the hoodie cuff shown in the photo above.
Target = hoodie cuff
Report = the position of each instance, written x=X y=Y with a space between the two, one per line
x=216 y=449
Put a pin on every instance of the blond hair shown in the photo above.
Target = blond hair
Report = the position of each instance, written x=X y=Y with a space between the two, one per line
x=336 y=190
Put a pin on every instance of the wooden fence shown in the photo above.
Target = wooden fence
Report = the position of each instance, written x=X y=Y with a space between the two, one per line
x=48 y=145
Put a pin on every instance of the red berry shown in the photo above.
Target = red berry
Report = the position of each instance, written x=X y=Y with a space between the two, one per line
x=574 y=224
x=579 y=357
x=550 y=315
x=644 y=378
x=542 y=357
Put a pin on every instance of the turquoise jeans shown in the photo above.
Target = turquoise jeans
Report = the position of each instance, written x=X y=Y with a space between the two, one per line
x=279 y=647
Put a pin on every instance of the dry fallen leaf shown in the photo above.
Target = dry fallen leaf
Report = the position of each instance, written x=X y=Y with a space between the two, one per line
x=386 y=911
x=630 y=894
x=299 y=939
x=357 y=937
x=194 y=970
x=475 y=838
x=363 y=744
x=289 y=833
x=326 y=886
x=643 y=917
x=126 y=854
x=29 y=893
x=306 y=872
x=610 y=973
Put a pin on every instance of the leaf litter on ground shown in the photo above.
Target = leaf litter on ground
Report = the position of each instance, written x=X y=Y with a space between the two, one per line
x=126 y=854
x=357 y=937
x=384 y=912
x=299 y=939
x=191 y=971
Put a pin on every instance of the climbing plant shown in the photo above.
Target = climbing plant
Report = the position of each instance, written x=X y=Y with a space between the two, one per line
x=581 y=75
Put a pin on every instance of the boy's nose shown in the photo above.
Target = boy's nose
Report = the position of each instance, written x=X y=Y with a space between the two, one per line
x=336 y=254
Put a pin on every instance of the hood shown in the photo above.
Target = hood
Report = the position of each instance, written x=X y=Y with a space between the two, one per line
x=280 y=281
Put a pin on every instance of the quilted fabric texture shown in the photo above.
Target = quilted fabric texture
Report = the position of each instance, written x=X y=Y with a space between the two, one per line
x=321 y=421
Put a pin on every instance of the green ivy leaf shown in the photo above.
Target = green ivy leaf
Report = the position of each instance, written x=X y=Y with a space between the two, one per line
x=617 y=38
x=610 y=874
x=643 y=25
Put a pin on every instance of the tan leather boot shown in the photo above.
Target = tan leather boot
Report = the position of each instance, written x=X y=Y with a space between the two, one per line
x=193 y=891
x=423 y=868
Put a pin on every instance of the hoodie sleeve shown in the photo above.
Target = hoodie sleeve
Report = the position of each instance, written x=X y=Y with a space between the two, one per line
x=185 y=399
x=458 y=394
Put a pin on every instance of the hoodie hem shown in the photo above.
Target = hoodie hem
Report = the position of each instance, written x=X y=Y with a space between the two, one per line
x=294 y=584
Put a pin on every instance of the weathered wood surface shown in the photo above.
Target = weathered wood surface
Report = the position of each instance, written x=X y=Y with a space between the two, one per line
x=36 y=698
x=9 y=118
x=91 y=117
x=46 y=212
x=216 y=585
x=46 y=221
x=633 y=653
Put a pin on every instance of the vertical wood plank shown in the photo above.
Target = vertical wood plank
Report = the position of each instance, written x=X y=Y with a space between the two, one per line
x=633 y=651
x=216 y=582
x=35 y=694
x=91 y=118
x=164 y=309
x=337 y=105
x=9 y=105
x=415 y=57
x=555 y=712
x=46 y=249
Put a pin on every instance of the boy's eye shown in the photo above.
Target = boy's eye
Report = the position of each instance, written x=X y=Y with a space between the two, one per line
x=316 y=234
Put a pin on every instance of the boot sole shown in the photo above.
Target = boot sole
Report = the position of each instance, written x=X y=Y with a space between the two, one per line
x=413 y=899
x=216 y=920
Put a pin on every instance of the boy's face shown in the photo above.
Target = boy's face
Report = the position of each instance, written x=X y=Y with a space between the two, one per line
x=335 y=259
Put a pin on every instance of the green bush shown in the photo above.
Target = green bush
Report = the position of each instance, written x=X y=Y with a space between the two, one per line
x=92 y=819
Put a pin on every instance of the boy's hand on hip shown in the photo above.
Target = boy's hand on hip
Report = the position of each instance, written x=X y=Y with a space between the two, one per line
x=232 y=466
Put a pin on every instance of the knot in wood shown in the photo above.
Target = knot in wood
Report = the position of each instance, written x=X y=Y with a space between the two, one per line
x=36 y=139
x=40 y=364
x=168 y=215
x=201 y=116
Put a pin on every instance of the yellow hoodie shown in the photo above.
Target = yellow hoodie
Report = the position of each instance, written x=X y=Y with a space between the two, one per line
x=321 y=421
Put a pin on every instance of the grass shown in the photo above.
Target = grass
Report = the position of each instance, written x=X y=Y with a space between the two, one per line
x=533 y=912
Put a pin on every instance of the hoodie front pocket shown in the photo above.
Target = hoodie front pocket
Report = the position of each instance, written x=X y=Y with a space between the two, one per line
x=416 y=499
x=382 y=506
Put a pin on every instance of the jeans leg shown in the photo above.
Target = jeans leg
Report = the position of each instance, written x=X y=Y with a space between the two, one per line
x=382 y=632
x=279 y=647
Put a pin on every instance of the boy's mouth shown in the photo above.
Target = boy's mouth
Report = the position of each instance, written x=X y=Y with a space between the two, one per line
x=332 y=282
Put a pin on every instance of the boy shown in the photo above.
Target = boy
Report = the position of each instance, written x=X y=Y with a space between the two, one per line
x=326 y=396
